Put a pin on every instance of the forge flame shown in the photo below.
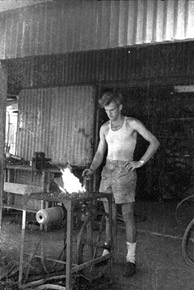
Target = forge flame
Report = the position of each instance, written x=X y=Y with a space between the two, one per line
x=71 y=183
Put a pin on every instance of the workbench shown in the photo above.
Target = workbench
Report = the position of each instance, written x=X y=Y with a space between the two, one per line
x=25 y=176
x=19 y=182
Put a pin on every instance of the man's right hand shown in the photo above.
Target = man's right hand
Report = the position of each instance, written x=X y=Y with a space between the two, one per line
x=87 y=173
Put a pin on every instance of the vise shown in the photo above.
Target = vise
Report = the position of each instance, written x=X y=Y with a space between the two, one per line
x=39 y=161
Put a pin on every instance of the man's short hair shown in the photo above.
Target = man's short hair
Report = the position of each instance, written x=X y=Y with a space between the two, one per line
x=110 y=96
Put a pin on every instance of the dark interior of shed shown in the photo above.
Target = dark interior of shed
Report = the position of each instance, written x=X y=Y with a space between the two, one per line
x=168 y=114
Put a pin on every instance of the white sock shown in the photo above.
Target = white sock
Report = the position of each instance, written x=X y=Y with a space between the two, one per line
x=105 y=251
x=131 y=247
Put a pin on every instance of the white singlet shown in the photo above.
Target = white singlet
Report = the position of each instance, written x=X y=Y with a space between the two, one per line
x=121 y=143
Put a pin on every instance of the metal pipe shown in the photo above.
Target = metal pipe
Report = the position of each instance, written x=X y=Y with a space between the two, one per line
x=52 y=214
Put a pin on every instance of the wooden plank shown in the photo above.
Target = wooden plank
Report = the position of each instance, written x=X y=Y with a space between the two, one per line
x=22 y=189
x=19 y=208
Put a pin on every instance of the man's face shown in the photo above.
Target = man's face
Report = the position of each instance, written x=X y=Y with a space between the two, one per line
x=113 y=111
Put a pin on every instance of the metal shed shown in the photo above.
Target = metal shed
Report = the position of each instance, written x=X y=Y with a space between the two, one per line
x=64 y=53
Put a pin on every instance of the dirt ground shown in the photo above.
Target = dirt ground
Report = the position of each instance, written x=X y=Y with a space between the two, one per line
x=160 y=264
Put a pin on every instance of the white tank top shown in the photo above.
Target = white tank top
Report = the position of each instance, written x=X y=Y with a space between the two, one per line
x=121 y=143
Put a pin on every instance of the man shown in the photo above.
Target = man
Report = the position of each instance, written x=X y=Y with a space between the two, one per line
x=119 y=136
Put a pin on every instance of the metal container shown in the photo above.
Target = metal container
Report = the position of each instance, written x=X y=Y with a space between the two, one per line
x=52 y=214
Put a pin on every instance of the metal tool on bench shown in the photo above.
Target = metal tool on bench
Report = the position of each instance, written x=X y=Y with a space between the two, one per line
x=39 y=161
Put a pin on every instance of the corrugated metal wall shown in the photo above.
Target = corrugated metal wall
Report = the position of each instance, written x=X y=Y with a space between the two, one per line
x=166 y=64
x=34 y=120
x=63 y=26
x=57 y=121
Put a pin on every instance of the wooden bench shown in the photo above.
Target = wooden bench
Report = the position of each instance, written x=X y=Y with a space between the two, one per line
x=24 y=191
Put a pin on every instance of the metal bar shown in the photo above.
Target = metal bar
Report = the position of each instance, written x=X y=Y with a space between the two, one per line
x=90 y=263
x=68 y=205
x=49 y=259
x=22 y=246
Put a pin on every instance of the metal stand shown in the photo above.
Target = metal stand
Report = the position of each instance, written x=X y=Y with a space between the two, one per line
x=69 y=201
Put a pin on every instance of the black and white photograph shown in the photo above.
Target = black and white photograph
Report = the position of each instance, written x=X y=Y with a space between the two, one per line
x=97 y=144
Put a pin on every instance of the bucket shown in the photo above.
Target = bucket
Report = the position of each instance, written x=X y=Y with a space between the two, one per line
x=48 y=215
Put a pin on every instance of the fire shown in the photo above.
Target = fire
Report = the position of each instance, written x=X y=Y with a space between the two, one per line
x=71 y=183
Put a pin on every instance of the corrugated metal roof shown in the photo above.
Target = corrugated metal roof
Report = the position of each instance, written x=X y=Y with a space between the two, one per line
x=14 y=4
x=64 y=26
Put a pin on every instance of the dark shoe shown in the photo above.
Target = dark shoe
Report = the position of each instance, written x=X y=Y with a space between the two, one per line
x=130 y=269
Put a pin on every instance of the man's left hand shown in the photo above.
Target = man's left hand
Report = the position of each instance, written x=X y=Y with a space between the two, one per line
x=131 y=165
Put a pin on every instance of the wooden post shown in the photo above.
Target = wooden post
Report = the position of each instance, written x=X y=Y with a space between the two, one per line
x=3 y=99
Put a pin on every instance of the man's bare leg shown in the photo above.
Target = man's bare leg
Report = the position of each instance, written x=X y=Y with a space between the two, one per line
x=128 y=217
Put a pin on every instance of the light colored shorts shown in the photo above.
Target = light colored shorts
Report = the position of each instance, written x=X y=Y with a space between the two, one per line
x=117 y=180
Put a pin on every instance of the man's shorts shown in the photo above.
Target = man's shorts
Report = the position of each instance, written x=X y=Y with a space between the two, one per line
x=117 y=180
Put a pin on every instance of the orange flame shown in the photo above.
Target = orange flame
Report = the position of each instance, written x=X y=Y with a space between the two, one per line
x=71 y=183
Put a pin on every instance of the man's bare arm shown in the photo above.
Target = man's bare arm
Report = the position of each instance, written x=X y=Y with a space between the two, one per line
x=148 y=136
x=99 y=155
x=137 y=126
